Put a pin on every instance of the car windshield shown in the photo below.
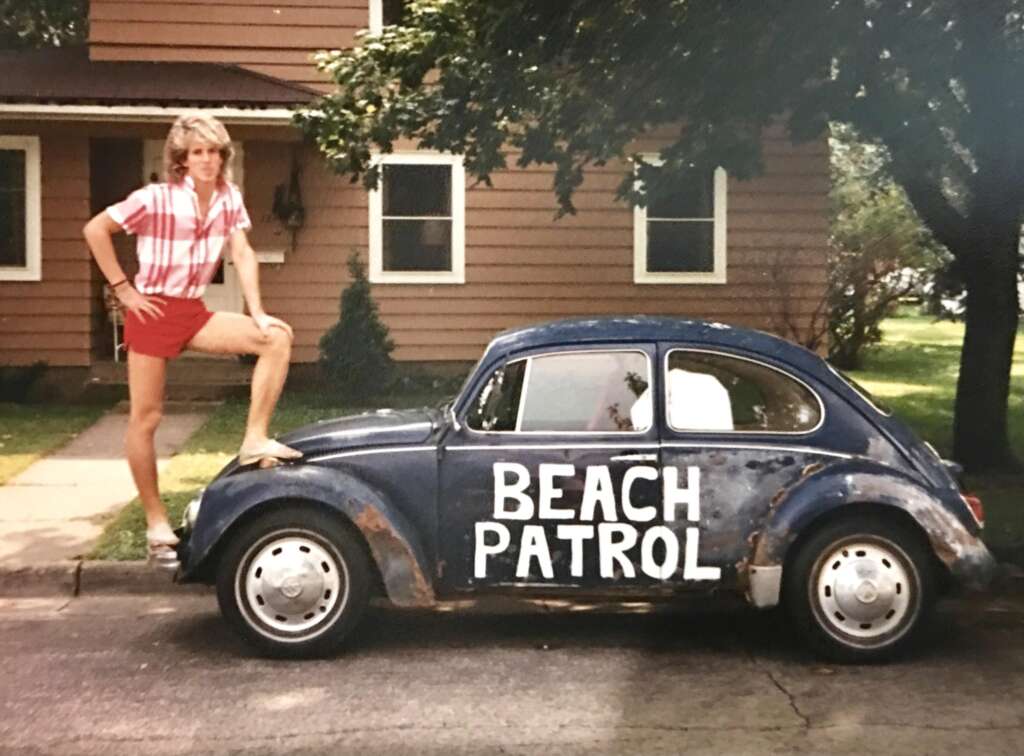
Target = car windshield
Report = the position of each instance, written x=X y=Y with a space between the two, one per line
x=881 y=407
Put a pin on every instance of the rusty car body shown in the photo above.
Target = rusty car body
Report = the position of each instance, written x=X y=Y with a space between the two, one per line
x=621 y=458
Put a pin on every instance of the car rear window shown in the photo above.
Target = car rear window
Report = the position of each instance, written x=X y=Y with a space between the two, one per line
x=713 y=392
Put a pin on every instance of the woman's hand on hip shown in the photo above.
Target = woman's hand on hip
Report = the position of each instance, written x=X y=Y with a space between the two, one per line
x=265 y=322
x=140 y=304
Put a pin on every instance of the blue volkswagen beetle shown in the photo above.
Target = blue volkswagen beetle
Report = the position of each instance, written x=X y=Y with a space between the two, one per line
x=614 y=458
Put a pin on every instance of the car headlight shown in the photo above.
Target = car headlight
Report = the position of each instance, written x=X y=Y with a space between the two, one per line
x=188 y=520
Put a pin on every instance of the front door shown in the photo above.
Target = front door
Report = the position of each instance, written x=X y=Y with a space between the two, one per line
x=551 y=481
x=223 y=292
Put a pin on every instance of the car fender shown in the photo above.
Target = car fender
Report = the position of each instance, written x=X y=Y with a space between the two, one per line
x=393 y=542
x=860 y=482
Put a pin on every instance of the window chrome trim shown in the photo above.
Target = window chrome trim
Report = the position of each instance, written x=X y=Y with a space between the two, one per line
x=760 y=447
x=524 y=447
x=365 y=452
x=847 y=382
x=522 y=403
x=730 y=355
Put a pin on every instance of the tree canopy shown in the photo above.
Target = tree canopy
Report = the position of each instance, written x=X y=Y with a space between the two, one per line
x=42 y=23
x=573 y=84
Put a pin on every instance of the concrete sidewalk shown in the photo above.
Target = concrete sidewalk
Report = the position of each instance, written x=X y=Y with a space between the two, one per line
x=53 y=512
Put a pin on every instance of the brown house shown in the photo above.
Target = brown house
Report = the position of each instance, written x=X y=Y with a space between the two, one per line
x=451 y=264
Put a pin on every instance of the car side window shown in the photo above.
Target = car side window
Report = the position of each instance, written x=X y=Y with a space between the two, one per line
x=497 y=405
x=569 y=392
x=719 y=393
x=587 y=392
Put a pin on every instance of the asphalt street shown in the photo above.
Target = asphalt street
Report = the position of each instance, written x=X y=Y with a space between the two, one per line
x=162 y=674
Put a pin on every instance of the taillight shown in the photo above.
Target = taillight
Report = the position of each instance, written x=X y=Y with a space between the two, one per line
x=977 y=510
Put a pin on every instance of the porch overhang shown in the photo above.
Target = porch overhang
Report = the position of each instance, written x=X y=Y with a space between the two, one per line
x=141 y=113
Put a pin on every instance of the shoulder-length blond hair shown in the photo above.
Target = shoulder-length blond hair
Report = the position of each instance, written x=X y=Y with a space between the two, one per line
x=187 y=129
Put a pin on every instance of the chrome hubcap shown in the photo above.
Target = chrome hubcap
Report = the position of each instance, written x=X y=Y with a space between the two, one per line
x=864 y=589
x=293 y=583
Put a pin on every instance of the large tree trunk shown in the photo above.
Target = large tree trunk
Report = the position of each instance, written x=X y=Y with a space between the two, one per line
x=980 y=438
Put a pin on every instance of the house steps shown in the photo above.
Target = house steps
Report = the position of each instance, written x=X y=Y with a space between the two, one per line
x=188 y=379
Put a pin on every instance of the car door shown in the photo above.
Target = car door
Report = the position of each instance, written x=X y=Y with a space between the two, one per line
x=746 y=430
x=532 y=475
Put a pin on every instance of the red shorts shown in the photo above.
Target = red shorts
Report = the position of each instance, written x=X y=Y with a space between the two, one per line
x=166 y=335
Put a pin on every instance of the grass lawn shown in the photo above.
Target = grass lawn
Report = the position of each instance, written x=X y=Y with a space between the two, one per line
x=28 y=431
x=914 y=370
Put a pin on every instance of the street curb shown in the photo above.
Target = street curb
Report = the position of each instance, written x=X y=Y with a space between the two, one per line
x=91 y=577
x=77 y=577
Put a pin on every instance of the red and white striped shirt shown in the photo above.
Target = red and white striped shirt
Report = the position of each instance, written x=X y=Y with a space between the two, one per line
x=177 y=257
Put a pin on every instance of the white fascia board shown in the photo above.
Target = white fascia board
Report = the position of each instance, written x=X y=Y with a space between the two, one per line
x=141 y=113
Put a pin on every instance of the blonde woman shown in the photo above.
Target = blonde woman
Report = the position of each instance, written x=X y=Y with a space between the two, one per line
x=182 y=226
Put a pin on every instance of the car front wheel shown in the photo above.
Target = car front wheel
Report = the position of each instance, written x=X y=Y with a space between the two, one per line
x=294 y=582
x=859 y=589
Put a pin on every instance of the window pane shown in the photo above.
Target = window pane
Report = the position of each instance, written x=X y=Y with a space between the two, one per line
x=392 y=11
x=680 y=246
x=417 y=190
x=695 y=200
x=497 y=406
x=12 y=208
x=711 y=392
x=591 y=391
x=417 y=245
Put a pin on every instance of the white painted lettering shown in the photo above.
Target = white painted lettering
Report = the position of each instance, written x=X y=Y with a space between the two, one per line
x=637 y=514
x=615 y=551
x=549 y=492
x=597 y=489
x=534 y=546
x=673 y=495
x=483 y=550
x=691 y=570
x=668 y=566
x=503 y=491
x=576 y=535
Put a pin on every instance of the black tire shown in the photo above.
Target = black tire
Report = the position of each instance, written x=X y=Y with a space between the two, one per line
x=294 y=582
x=860 y=588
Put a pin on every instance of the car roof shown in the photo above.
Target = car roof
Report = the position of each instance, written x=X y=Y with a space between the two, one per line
x=645 y=328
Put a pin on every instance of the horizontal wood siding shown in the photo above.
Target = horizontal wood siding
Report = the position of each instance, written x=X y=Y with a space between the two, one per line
x=524 y=266
x=273 y=38
x=52 y=319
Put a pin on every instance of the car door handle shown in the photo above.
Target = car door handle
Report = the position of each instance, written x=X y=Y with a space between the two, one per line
x=635 y=457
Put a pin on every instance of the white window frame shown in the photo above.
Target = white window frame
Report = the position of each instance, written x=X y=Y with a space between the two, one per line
x=32 y=270
x=717 y=276
x=376 y=16
x=457 y=274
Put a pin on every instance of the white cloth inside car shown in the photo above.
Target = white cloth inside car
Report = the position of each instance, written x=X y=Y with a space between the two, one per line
x=698 y=401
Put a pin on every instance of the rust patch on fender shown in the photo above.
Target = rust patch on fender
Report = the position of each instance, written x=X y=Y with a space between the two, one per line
x=811 y=469
x=403 y=579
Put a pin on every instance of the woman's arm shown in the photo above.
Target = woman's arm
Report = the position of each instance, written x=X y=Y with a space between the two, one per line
x=98 y=233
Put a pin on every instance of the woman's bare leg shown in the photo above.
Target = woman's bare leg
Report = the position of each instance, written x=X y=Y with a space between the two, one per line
x=233 y=333
x=146 y=378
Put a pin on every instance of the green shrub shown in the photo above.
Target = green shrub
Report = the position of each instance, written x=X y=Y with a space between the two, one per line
x=17 y=380
x=355 y=354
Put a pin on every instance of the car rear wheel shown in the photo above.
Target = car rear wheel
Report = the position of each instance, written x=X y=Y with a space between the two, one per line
x=859 y=589
x=294 y=582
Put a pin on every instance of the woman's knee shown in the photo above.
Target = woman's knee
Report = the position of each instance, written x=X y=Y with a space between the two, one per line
x=145 y=419
x=278 y=343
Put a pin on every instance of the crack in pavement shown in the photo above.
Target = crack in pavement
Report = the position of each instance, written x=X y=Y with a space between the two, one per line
x=792 y=699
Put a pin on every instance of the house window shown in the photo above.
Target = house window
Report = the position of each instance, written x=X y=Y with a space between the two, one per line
x=20 y=229
x=680 y=237
x=417 y=220
x=385 y=13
